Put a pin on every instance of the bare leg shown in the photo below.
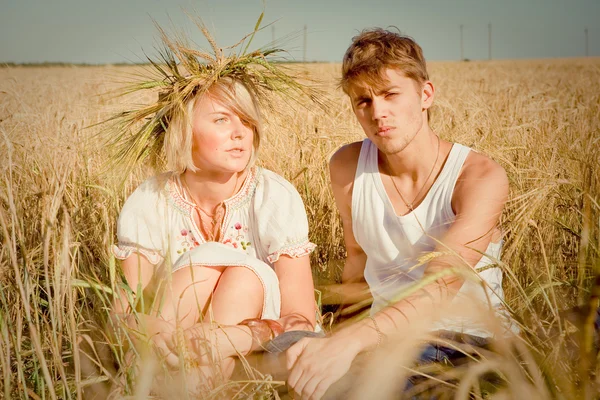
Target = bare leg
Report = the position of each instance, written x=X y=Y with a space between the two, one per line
x=190 y=291
x=239 y=295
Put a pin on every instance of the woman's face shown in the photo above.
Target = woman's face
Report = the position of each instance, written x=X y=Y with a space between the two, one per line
x=222 y=142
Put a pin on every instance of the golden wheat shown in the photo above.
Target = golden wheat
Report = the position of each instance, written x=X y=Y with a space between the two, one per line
x=539 y=119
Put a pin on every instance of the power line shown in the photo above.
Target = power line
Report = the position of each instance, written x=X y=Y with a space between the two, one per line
x=304 y=56
x=462 y=48
x=587 y=48
x=489 y=41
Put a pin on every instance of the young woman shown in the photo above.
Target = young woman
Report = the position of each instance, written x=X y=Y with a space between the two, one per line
x=221 y=244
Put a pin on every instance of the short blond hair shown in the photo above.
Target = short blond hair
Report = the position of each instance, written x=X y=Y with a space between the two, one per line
x=234 y=95
x=375 y=50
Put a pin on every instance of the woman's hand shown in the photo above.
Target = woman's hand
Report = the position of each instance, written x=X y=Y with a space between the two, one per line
x=200 y=343
x=148 y=330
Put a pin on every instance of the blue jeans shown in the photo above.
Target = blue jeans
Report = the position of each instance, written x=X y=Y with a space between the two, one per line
x=447 y=356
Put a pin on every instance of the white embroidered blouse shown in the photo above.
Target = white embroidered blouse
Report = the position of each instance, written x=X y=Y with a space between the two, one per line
x=265 y=219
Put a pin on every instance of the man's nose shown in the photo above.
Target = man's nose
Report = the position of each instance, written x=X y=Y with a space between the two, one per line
x=379 y=108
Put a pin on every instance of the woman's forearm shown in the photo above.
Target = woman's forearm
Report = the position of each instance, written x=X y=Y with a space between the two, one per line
x=296 y=322
x=222 y=341
x=234 y=340
x=120 y=302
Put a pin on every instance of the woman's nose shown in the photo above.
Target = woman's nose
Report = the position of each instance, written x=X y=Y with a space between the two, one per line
x=240 y=130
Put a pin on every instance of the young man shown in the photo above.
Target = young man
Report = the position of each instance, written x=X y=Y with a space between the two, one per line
x=404 y=193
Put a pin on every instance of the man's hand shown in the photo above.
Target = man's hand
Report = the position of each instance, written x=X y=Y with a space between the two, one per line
x=316 y=364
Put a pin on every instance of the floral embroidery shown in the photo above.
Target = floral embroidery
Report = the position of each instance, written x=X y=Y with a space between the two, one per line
x=237 y=238
x=187 y=241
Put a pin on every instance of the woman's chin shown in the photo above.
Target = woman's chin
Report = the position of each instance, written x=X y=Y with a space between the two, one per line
x=235 y=168
x=230 y=166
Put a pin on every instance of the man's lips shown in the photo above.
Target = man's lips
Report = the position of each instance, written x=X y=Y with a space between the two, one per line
x=384 y=130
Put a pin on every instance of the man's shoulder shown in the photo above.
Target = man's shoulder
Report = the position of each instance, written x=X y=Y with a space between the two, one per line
x=343 y=162
x=347 y=153
x=481 y=176
x=480 y=166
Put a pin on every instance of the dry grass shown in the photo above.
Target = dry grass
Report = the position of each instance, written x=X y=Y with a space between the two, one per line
x=539 y=119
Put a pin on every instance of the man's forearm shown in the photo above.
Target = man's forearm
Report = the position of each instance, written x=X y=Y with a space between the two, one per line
x=345 y=293
x=415 y=312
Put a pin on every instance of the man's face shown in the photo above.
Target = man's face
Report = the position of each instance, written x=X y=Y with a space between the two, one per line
x=393 y=113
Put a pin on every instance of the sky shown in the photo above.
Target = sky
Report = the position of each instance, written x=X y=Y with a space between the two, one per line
x=113 y=31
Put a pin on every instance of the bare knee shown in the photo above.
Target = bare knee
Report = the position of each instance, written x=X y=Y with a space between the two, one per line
x=189 y=292
x=239 y=295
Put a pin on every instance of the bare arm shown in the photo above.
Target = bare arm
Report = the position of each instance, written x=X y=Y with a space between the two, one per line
x=478 y=201
x=342 y=168
x=138 y=273
x=298 y=310
x=295 y=278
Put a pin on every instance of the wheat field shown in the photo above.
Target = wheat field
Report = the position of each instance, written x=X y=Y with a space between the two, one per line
x=539 y=119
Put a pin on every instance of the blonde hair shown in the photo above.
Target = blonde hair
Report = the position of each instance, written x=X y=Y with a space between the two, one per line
x=233 y=94
x=375 y=50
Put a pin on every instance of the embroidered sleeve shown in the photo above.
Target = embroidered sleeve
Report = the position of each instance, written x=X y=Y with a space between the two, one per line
x=281 y=219
x=293 y=250
x=139 y=229
x=123 y=251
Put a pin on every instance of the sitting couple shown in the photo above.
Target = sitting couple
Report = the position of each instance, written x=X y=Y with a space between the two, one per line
x=235 y=236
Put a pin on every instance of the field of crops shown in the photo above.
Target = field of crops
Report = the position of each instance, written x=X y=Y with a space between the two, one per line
x=539 y=119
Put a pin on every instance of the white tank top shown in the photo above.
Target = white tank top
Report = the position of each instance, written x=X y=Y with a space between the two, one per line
x=393 y=244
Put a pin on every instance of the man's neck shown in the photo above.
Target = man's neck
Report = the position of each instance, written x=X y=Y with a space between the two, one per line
x=416 y=160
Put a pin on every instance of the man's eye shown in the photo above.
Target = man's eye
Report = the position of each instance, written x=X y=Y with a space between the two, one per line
x=391 y=94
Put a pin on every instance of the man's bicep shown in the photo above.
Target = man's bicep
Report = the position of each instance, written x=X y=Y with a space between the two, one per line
x=478 y=210
x=342 y=169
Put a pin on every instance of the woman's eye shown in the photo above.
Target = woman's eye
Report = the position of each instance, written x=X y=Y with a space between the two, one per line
x=221 y=120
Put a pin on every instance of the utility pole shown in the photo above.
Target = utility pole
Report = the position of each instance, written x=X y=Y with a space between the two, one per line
x=587 y=48
x=462 y=48
x=489 y=41
x=304 y=56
